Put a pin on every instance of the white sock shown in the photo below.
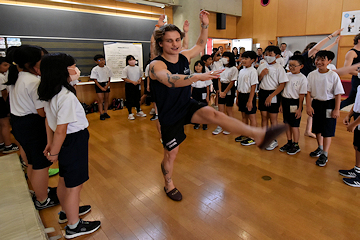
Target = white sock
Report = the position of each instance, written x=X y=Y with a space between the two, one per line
x=357 y=169
x=74 y=225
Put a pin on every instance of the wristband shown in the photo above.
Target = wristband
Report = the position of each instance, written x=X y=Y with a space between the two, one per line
x=49 y=154
x=328 y=37
x=157 y=26
x=204 y=26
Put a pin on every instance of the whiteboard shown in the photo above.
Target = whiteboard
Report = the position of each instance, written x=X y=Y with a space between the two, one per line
x=350 y=23
x=115 y=56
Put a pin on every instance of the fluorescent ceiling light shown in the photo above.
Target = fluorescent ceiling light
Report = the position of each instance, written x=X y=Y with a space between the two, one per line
x=142 y=2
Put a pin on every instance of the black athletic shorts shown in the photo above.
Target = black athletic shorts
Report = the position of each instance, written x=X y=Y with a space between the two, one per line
x=288 y=106
x=322 y=121
x=243 y=98
x=199 y=94
x=173 y=135
x=30 y=132
x=74 y=159
x=228 y=100
x=356 y=141
x=4 y=108
x=215 y=83
x=103 y=84
x=132 y=94
x=274 y=107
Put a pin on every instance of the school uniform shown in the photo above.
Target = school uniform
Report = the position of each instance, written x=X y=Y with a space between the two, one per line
x=199 y=91
x=28 y=127
x=65 y=108
x=281 y=61
x=356 y=114
x=4 y=106
x=226 y=77
x=132 y=92
x=247 y=78
x=323 y=88
x=286 y=55
x=269 y=84
x=102 y=76
x=290 y=97
x=214 y=67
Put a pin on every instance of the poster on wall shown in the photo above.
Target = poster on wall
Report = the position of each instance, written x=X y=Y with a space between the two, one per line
x=13 y=42
x=2 y=43
x=115 y=55
x=350 y=23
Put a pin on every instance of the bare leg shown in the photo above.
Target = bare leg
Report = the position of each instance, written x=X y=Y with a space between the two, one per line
x=39 y=181
x=320 y=139
x=106 y=102
x=264 y=118
x=296 y=133
x=273 y=119
x=167 y=166
x=244 y=118
x=288 y=132
x=308 y=128
x=252 y=118
x=217 y=98
x=222 y=108
x=5 y=130
x=327 y=143
x=70 y=200
x=229 y=111
x=100 y=102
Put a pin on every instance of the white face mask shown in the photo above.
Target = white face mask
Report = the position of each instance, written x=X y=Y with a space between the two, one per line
x=224 y=61
x=269 y=59
x=75 y=76
x=132 y=62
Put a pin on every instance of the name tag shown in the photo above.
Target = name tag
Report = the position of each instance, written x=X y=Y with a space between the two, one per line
x=204 y=96
x=328 y=113
x=274 y=99
x=293 y=108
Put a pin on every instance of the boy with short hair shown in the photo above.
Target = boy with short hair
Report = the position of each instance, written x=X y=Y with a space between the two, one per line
x=325 y=87
x=101 y=75
x=272 y=78
x=292 y=103
x=246 y=98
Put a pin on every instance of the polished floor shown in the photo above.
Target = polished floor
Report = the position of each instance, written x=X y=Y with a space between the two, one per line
x=224 y=193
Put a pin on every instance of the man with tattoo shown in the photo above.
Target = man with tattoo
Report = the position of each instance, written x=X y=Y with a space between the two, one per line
x=171 y=86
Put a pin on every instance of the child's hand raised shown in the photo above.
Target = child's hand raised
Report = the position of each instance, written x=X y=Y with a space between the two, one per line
x=186 y=26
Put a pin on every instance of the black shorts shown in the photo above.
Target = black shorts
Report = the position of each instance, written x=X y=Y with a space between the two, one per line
x=132 y=94
x=243 y=98
x=4 y=108
x=173 y=135
x=74 y=159
x=228 y=100
x=145 y=86
x=215 y=84
x=356 y=142
x=289 y=117
x=30 y=132
x=274 y=107
x=322 y=121
x=199 y=94
x=103 y=84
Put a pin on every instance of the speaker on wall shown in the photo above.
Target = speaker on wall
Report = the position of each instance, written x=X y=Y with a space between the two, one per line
x=220 y=21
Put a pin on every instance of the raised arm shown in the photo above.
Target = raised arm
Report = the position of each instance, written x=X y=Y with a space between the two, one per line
x=320 y=44
x=159 y=72
x=160 y=23
x=201 y=42
x=185 y=44
x=337 y=40
x=348 y=70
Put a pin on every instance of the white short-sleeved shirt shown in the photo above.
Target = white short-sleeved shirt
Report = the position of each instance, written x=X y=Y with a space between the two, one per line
x=286 y=55
x=247 y=78
x=24 y=98
x=297 y=85
x=3 y=79
x=65 y=108
x=132 y=73
x=216 y=66
x=357 y=101
x=101 y=74
x=201 y=84
x=331 y=66
x=275 y=76
x=229 y=75
x=324 y=86
x=147 y=70
x=281 y=61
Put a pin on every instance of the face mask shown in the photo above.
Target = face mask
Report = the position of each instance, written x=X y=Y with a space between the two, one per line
x=269 y=59
x=132 y=62
x=224 y=61
x=76 y=75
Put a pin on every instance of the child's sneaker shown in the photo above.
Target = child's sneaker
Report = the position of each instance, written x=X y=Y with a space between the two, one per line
x=286 y=147
x=196 y=126
x=205 y=127
x=272 y=145
x=226 y=132
x=294 y=149
x=49 y=202
x=82 y=211
x=11 y=148
x=353 y=182
x=217 y=130
x=316 y=153
x=348 y=173
x=141 y=114
x=83 y=227
x=152 y=112
x=240 y=138
x=106 y=115
x=322 y=160
x=247 y=142
x=102 y=117
x=155 y=117
x=131 y=117
x=2 y=146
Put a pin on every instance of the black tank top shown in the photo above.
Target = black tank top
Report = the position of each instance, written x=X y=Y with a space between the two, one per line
x=355 y=60
x=172 y=103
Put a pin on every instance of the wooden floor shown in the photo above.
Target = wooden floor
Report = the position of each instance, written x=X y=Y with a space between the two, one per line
x=224 y=195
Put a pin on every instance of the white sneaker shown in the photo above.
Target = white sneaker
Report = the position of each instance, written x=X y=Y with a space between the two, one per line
x=226 y=132
x=152 y=112
x=131 y=117
x=217 y=130
x=272 y=145
x=141 y=114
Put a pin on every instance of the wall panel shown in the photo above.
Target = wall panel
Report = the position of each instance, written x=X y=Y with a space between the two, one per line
x=351 y=5
x=244 y=25
x=291 y=18
x=265 y=22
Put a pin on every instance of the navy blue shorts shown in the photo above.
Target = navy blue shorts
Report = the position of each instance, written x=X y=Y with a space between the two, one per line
x=289 y=117
x=74 y=159
x=228 y=100
x=103 y=84
x=321 y=122
x=243 y=98
x=274 y=107
x=4 y=108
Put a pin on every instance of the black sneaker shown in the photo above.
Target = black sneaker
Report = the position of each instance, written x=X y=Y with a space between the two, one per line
x=240 y=138
x=353 y=182
x=49 y=202
x=294 y=149
x=316 y=153
x=155 y=117
x=247 y=142
x=83 y=227
x=2 y=146
x=286 y=147
x=11 y=148
x=82 y=211
x=106 y=115
x=205 y=127
x=348 y=173
x=196 y=126
x=322 y=160
x=102 y=117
